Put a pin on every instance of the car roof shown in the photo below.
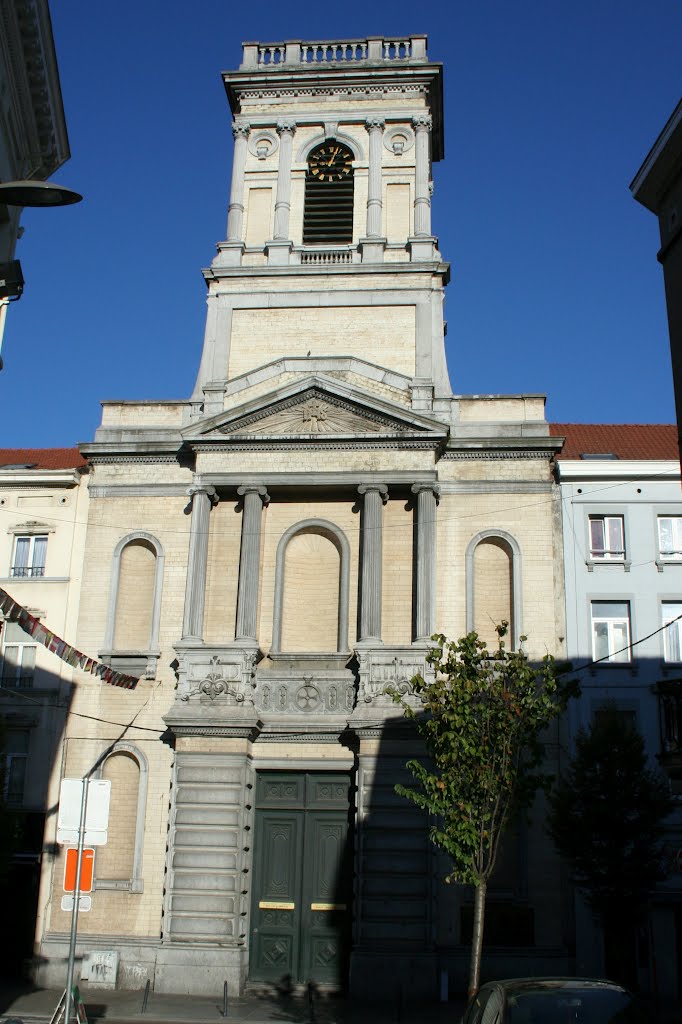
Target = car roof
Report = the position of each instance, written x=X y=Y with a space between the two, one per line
x=553 y=983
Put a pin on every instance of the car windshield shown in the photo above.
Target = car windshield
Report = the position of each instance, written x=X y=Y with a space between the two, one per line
x=567 y=1005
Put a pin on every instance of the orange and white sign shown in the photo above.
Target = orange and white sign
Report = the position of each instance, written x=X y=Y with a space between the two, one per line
x=87 y=865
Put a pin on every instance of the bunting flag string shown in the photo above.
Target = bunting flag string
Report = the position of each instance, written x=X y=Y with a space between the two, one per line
x=14 y=612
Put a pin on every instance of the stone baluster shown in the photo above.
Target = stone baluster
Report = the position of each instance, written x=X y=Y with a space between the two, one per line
x=422 y=196
x=375 y=128
x=203 y=498
x=235 y=212
x=427 y=499
x=285 y=130
x=255 y=497
x=375 y=495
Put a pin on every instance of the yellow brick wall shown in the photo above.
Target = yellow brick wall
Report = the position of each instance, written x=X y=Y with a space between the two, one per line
x=382 y=334
x=115 y=860
x=396 y=602
x=135 y=597
x=222 y=572
x=398 y=212
x=310 y=607
x=492 y=587
x=258 y=215
x=277 y=519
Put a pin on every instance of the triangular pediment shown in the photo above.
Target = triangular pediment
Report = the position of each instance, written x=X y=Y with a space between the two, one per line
x=317 y=409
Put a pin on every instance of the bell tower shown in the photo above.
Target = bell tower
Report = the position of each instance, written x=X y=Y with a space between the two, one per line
x=329 y=253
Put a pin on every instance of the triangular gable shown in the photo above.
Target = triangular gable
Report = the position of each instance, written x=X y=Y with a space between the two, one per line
x=316 y=409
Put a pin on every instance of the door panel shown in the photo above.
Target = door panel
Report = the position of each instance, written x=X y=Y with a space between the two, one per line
x=302 y=878
x=276 y=932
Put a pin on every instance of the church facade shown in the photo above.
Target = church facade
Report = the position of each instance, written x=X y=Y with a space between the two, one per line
x=274 y=552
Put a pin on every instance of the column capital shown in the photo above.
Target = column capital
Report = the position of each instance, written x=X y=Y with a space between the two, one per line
x=285 y=126
x=434 y=488
x=422 y=122
x=375 y=122
x=206 y=489
x=241 y=128
x=254 y=489
x=382 y=489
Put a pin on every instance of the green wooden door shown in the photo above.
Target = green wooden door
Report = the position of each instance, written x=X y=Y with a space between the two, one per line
x=302 y=875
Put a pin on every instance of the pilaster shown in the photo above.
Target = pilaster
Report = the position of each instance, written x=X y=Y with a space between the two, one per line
x=249 y=560
x=375 y=496
x=232 y=249
x=427 y=500
x=203 y=498
x=422 y=245
x=279 y=248
x=372 y=247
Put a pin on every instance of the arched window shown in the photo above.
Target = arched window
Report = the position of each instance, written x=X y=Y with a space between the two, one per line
x=132 y=630
x=311 y=589
x=328 y=212
x=119 y=862
x=493 y=585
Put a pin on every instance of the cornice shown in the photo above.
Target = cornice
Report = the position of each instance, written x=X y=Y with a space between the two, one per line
x=490 y=454
x=354 y=270
x=40 y=478
x=315 y=443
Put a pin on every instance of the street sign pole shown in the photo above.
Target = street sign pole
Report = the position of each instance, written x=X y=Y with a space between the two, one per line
x=76 y=897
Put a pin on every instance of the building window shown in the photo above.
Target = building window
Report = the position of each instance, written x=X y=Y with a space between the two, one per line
x=328 y=213
x=611 y=631
x=672 y=634
x=18 y=656
x=29 y=556
x=607 y=537
x=13 y=764
x=670 y=537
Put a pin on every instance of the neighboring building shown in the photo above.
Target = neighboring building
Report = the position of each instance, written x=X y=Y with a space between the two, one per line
x=622 y=526
x=43 y=513
x=272 y=553
x=33 y=138
x=658 y=186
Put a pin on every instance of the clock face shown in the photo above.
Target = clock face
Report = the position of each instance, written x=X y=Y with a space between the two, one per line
x=330 y=162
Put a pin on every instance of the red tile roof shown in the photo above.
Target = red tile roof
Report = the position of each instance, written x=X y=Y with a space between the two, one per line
x=625 y=440
x=42 y=458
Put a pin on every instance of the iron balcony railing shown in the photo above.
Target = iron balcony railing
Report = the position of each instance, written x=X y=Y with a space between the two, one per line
x=28 y=570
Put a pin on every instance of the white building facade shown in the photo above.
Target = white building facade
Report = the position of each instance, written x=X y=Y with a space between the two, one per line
x=622 y=529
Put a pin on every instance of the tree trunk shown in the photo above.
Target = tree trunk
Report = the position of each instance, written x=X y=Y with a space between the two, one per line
x=477 y=937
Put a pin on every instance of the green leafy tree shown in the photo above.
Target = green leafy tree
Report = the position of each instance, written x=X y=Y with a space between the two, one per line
x=606 y=819
x=481 y=715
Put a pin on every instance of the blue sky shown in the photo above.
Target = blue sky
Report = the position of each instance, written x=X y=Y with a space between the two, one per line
x=550 y=108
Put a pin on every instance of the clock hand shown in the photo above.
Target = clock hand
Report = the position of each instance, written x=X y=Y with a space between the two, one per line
x=334 y=155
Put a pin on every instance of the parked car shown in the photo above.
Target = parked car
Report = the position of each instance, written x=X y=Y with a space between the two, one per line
x=551 y=1001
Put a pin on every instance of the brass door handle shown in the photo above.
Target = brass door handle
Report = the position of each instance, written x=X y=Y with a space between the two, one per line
x=327 y=906
x=275 y=905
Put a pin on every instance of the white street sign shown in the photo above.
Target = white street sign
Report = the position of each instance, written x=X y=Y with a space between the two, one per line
x=96 y=815
x=84 y=903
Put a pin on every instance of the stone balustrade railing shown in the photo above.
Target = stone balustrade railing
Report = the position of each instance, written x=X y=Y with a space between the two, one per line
x=377 y=49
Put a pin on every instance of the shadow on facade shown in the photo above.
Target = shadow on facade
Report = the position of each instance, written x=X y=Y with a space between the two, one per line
x=32 y=723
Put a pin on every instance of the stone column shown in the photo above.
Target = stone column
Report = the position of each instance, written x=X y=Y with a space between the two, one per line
x=427 y=499
x=235 y=213
x=249 y=558
x=203 y=497
x=285 y=130
x=372 y=247
x=375 y=128
x=375 y=496
x=422 y=196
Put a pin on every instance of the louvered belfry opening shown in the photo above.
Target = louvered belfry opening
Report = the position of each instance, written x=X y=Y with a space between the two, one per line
x=328 y=212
